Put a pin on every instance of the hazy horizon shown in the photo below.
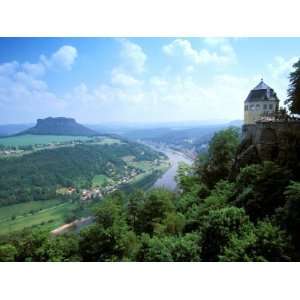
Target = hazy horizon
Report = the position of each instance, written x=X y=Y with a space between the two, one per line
x=131 y=123
x=138 y=80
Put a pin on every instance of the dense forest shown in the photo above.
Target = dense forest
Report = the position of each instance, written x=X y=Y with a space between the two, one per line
x=254 y=216
x=36 y=176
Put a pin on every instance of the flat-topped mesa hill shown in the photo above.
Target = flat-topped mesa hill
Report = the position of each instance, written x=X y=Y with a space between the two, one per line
x=59 y=126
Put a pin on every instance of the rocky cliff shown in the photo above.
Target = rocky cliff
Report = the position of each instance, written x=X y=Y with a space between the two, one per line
x=277 y=141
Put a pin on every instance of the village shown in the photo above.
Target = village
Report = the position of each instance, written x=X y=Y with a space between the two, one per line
x=99 y=191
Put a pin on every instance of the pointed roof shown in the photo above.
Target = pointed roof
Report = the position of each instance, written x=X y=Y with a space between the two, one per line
x=262 y=86
x=262 y=92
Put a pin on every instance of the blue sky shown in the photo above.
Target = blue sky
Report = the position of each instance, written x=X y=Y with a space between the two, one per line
x=99 y=80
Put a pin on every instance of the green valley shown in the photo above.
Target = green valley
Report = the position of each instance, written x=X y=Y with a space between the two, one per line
x=47 y=180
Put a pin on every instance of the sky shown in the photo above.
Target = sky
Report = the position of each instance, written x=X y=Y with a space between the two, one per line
x=142 y=80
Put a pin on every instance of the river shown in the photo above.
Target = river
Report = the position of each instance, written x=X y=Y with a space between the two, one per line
x=167 y=180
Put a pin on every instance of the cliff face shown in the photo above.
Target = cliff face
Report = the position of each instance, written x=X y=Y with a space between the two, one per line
x=274 y=141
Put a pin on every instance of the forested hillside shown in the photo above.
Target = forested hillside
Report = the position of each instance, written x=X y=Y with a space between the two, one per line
x=253 y=216
x=37 y=176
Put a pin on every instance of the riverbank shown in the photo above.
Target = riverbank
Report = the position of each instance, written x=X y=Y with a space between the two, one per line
x=168 y=179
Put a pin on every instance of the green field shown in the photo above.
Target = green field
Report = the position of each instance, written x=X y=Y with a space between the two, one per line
x=6 y=212
x=148 y=168
x=49 y=214
x=30 y=139
x=100 y=180
x=109 y=141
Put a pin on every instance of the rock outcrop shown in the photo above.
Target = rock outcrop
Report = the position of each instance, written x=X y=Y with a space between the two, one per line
x=277 y=141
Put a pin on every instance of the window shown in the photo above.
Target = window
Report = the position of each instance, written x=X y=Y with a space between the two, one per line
x=257 y=107
x=265 y=106
x=270 y=106
x=246 y=107
x=252 y=107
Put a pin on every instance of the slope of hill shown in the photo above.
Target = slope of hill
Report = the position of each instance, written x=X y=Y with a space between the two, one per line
x=59 y=126
x=38 y=175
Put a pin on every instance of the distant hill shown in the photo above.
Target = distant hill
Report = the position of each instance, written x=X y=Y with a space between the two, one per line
x=9 y=129
x=237 y=123
x=193 y=138
x=59 y=126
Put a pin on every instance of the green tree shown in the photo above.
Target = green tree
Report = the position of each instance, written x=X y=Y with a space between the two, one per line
x=134 y=206
x=30 y=245
x=218 y=227
x=260 y=188
x=169 y=248
x=104 y=241
x=263 y=242
x=293 y=100
x=7 y=253
x=157 y=204
x=172 y=224
x=185 y=177
x=62 y=248
x=289 y=214
x=218 y=163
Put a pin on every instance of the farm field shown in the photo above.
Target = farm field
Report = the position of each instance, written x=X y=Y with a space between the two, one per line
x=50 y=214
x=100 y=180
x=7 y=212
x=148 y=168
x=108 y=141
x=29 y=140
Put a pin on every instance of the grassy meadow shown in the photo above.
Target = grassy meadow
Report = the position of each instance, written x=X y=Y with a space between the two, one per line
x=100 y=180
x=30 y=139
x=50 y=214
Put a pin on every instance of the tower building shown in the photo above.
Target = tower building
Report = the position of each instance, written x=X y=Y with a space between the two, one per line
x=261 y=102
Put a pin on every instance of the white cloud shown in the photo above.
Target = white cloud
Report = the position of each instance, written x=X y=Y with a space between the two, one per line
x=35 y=70
x=224 y=54
x=23 y=93
x=214 y=42
x=63 y=58
x=133 y=56
x=279 y=70
x=281 y=67
x=190 y=69
x=7 y=69
x=183 y=98
x=119 y=77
